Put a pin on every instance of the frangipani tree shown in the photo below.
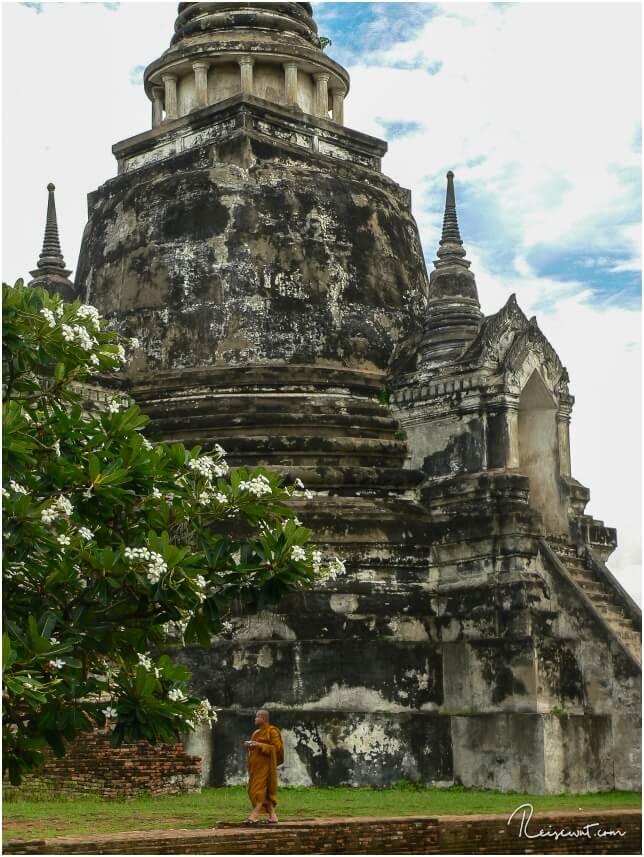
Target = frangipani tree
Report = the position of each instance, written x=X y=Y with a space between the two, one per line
x=113 y=545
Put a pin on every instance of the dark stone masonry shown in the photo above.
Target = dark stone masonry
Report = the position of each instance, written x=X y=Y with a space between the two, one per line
x=276 y=279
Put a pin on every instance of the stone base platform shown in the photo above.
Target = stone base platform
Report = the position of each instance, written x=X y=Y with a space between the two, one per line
x=617 y=831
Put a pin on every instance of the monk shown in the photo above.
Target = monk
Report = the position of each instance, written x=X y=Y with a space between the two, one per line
x=265 y=753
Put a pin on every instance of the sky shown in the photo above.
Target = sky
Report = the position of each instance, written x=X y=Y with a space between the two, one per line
x=534 y=106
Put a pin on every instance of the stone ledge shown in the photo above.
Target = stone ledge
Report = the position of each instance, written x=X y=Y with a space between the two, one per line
x=244 y=112
x=483 y=834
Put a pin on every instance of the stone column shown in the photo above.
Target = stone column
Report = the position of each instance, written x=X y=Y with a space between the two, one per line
x=321 y=94
x=290 y=83
x=157 y=106
x=337 y=96
x=513 y=456
x=170 y=83
x=201 y=83
x=563 y=433
x=246 y=68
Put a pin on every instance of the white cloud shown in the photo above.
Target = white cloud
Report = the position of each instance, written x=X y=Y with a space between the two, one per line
x=538 y=105
x=64 y=104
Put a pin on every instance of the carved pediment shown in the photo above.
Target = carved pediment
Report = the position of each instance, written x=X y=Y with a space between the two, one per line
x=516 y=346
x=531 y=350
x=496 y=335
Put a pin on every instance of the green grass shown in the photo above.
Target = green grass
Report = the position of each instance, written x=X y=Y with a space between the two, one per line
x=35 y=819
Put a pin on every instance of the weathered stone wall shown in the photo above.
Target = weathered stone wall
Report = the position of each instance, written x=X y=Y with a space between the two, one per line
x=249 y=252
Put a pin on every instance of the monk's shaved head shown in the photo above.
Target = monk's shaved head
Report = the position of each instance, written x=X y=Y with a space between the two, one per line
x=263 y=712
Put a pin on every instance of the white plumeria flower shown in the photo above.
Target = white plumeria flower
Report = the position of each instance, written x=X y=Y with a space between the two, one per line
x=5 y=493
x=110 y=712
x=59 y=311
x=57 y=664
x=60 y=506
x=49 y=317
x=157 y=566
x=91 y=314
x=298 y=553
x=227 y=627
x=156 y=494
x=19 y=489
x=206 y=467
x=258 y=486
x=134 y=342
x=204 y=713
x=177 y=695
x=93 y=359
x=54 y=641
x=145 y=661
x=114 y=406
x=146 y=443
x=85 y=341
x=57 y=448
x=85 y=533
x=336 y=567
x=63 y=540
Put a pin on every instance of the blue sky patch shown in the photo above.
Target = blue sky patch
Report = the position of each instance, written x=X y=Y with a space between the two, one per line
x=394 y=130
x=360 y=29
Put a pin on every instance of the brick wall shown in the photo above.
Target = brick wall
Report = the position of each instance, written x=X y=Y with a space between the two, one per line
x=469 y=834
x=91 y=766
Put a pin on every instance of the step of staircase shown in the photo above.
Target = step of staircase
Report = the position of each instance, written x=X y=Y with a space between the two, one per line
x=605 y=600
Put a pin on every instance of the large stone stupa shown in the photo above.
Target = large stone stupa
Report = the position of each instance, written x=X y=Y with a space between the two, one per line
x=276 y=280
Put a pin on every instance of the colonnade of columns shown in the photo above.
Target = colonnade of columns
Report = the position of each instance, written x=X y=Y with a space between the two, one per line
x=165 y=98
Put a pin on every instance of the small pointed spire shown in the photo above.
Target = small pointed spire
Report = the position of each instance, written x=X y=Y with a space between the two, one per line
x=50 y=272
x=51 y=256
x=453 y=309
x=451 y=248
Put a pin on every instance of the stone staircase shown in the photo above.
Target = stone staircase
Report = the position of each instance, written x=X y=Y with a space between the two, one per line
x=608 y=600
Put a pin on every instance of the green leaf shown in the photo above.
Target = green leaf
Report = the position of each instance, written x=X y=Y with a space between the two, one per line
x=94 y=466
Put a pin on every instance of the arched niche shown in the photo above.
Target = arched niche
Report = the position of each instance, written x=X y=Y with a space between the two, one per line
x=539 y=451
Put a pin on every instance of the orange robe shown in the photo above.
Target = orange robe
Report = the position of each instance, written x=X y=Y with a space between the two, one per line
x=262 y=766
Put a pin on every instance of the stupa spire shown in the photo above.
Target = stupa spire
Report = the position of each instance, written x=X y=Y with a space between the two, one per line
x=50 y=272
x=51 y=255
x=451 y=248
x=453 y=309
